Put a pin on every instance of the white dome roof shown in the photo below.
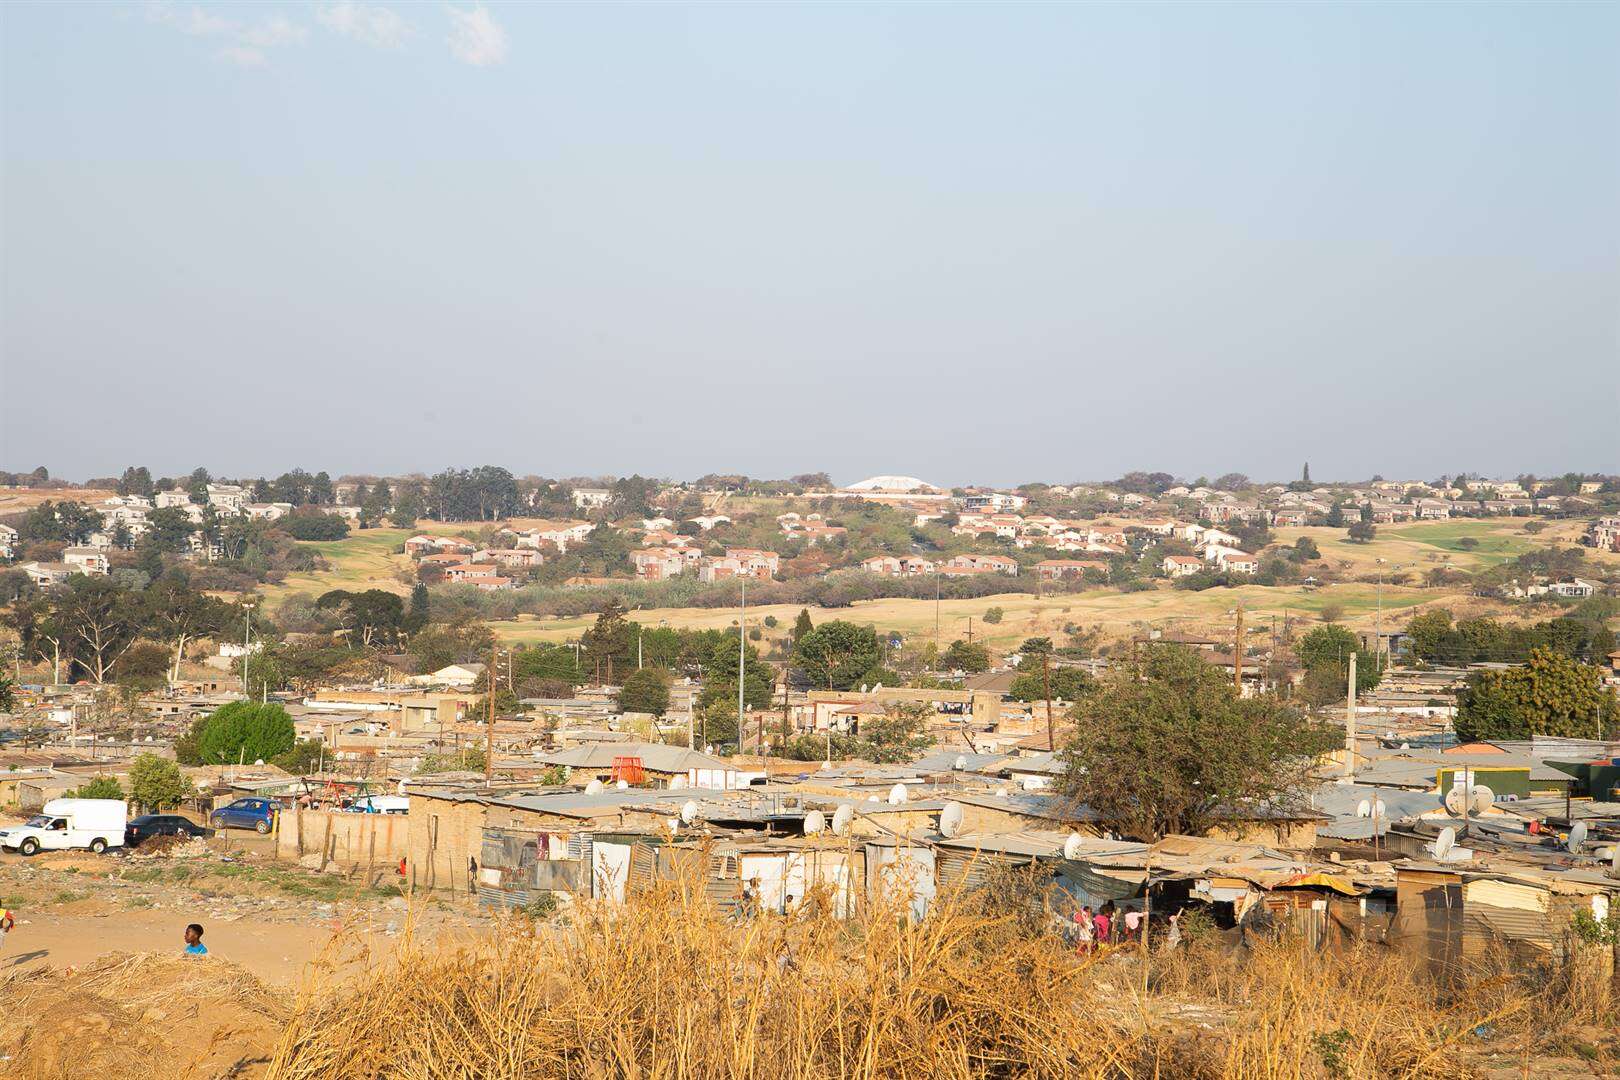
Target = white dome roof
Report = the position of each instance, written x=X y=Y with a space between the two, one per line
x=892 y=483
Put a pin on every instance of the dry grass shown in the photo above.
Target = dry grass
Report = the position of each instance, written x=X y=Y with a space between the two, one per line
x=666 y=987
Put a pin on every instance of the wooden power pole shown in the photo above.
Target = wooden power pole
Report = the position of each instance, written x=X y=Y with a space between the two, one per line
x=489 y=729
x=1237 y=652
x=1046 y=684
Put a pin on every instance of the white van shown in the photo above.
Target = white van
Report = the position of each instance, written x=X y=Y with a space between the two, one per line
x=97 y=824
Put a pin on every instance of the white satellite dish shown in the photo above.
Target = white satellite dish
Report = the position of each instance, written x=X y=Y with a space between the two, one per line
x=960 y=763
x=876 y=688
x=897 y=795
x=673 y=825
x=623 y=785
x=1445 y=842
x=689 y=811
x=841 y=820
x=1363 y=808
x=950 y=820
x=1378 y=808
x=1072 y=846
x=1456 y=802
x=595 y=787
x=1480 y=798
x=814 y=822
x=1577 y=837
x=258 y=761
x=873 y=798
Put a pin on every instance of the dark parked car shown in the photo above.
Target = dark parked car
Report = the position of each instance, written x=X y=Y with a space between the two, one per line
x=255 y=814
x=149 y=825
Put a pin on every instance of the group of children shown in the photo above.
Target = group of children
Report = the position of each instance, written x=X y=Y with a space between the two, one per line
x=1107 y=927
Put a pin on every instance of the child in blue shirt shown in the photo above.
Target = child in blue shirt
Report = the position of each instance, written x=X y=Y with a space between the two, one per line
x=194 y=945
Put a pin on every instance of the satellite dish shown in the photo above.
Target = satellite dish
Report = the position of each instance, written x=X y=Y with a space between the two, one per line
x=814 y=822
x=873 y=798
x=1378 y=808
x=258 y=761
x=960 y=763
x=897 y=795
x=1456 y=802
x=1480 y=798
x=1363 y=808
x=950 y=820
x=689 y=811
x=1072 y=845
x=1577 y=837
x=673 y=825
x=1445 y=842
x=623 y=785
x=595 y=787
x=841 y=820
x=877 y=687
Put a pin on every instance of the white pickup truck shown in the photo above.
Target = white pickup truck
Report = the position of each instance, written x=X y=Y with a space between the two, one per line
x=97 y=824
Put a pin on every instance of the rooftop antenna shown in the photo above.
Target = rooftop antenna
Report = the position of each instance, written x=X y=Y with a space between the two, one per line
x=1577 y=837
x=689 y=811
x=1444 y=843
x=1480 y=798
x=842 y=817
x=814 y=822
x=594 y=787
x=897 y=795
x=950 y=820
x=960 y=763
x=1072 y=846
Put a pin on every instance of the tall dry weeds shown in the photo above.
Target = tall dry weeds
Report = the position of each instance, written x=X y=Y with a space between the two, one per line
x=666 y=986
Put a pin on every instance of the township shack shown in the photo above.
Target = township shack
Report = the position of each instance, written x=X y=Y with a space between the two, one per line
x=1450 y=915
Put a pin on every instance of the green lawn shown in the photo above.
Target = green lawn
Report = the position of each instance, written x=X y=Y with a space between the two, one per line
x=363 y=560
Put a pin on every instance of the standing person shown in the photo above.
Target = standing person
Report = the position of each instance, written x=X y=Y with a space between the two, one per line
x=1084 y=931
x=194 y=945
x=7 y=921
x=1103 y=923
x=1133 y=925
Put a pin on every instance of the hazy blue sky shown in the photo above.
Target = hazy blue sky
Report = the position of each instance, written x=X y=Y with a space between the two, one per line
x=970 y=243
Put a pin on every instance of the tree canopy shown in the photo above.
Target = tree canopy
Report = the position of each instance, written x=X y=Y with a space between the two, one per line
x=645 y=691
x=1165 y=745
x=244 y=731
x=1549 y=695
x=837 y=655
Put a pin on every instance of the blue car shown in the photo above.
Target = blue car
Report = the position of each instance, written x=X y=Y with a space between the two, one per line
x=255 y=814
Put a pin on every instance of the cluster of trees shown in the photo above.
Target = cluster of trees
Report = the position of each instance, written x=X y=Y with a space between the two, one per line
x=1580 y=636
x=90 y=626
x=1036 y=675
x=1551 y=694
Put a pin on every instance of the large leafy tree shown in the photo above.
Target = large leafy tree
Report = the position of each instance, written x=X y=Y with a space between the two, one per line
x=100 y=620
x=373 y=617
x=179 y=614
x=720 y=676
x=1325 y=655
x=610 y=642
x=1550 y=695
x=1165 y=745
x=968 y=656
x=157 y=783
x=645 y=691
x=837 y=655
x=245 y=731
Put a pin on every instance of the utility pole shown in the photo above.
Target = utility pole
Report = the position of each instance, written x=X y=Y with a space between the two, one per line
x=1046 y=683
x=489 y=728
x=970 y=629
x=247 y=629
x=1237 y=652
x=640 y=633
x=742 y=663
x=1350 y=725
x=936 y=609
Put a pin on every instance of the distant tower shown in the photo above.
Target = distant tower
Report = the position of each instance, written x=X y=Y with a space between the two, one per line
x=1305 y=477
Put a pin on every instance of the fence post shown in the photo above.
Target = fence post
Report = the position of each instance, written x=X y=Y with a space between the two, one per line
x=326 y=843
